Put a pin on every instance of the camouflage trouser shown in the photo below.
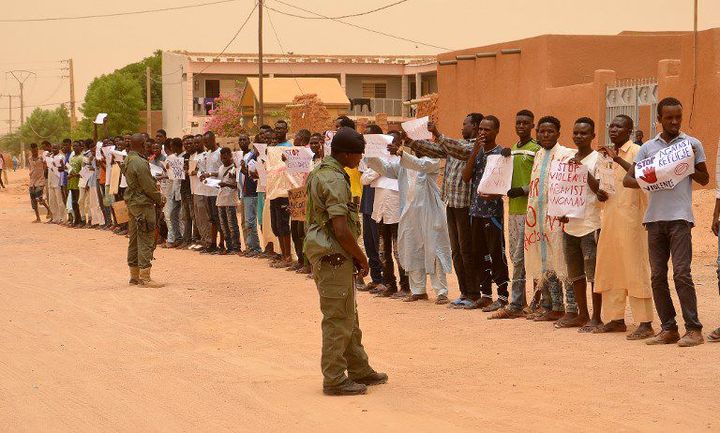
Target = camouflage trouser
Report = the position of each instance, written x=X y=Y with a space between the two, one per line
x=141 y=233
x=342 y=347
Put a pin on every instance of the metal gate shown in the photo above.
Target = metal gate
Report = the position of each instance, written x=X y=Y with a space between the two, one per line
x=626 y=97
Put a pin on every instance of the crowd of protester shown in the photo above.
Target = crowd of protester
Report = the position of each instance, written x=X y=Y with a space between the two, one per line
x=416 y=226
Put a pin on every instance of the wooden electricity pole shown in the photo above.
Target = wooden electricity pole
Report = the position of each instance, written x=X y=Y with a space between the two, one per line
x=261 y=108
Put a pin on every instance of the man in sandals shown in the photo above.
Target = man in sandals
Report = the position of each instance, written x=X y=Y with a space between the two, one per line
x=333 y=228
x=669 y=221
x=622 y=273
x=523 y=154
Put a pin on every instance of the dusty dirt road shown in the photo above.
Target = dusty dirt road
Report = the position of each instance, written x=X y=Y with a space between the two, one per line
x=233 y=346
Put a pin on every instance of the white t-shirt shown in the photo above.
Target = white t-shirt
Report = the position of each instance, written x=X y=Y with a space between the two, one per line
x=227 y=196
x=211 y=164
x=579 y=227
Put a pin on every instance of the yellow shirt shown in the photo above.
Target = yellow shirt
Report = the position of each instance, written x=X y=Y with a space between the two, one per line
x=622 y=253
x=355 y=185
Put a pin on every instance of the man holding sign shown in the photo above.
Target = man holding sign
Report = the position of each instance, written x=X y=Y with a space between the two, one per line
x=669 y=220
x=622 y=273
x=486 y=215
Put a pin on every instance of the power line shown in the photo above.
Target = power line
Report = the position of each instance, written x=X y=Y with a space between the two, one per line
x=38 y=105
x=305 y=17
x=277 y=38
x=401 y=38
x=242 y=26
x=115 y=14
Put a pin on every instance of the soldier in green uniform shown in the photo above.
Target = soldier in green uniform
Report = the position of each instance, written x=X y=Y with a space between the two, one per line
x=141 y=196
x=333 y=228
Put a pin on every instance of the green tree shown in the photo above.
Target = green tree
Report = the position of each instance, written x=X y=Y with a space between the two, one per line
x=52 y=125
x=118 y=94
x=137 y=70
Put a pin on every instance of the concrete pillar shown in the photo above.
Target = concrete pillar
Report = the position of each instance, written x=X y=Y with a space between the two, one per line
x=343 y=80
x=404 y=92
x=187 y=101
x=418 y=85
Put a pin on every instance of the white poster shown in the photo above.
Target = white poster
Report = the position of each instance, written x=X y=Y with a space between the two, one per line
x=156 y=171
x=667 y=168
x=100 y=119
x=416 y=129
x=298 y=159
x=175 y=167
x=605 y=172
x=212 y=182
x=261 y=149
x=237 y=158
x=567 y=190
x=328 y=141
x=376 y=145
x=497 y=177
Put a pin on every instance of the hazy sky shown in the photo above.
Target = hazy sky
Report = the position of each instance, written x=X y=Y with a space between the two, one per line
x=101 y=45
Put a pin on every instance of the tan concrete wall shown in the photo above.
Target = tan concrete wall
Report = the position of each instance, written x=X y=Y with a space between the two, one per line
x=564 y=76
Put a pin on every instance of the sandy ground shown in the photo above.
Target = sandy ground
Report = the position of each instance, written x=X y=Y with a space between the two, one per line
x=233 y=346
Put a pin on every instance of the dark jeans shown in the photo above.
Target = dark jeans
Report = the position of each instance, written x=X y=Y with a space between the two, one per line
x=488 y=239
x=74 y=197
x=461 y=246
x=187 y=216
x=297 y=232
x=668 y=239
x=229 y=226
x=371 y=241
x=389 y=233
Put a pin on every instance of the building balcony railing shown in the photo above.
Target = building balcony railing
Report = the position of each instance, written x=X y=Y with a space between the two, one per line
x=373 y=106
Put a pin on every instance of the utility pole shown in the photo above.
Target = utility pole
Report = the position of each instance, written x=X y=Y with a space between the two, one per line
x=71 y=76
x=148 y=102
x=71 y=73
x=21 y=76
x=261 y=109
x=10 y=119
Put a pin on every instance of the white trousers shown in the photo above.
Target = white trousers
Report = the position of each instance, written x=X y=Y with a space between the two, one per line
x=56 y=204
x=418 y=280
x=94 y=207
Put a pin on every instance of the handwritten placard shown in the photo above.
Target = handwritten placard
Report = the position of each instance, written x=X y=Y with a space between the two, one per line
x=298 y=200
x=497 y=177
x=327 y=146
x=376 y=145
x=175 y=167
x=605 y=172
x=298 y=160
x=666 y=168
x=416 y=129
x=567 y=189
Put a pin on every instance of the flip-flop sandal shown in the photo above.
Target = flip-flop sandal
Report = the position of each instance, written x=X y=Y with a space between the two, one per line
x=714 y=337
x=588 y=329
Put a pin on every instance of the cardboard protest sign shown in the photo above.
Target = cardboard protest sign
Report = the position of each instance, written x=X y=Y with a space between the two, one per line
x=376 y=145
x=298 y=159
x=567 y=189
x=666 y=168
x=175 y=167
x=416 y=129
x=605 y=172
x=298 y=201
x=121 y=212
x=497 y=177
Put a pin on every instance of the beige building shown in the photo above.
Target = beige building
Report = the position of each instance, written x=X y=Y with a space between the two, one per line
x=372 y=84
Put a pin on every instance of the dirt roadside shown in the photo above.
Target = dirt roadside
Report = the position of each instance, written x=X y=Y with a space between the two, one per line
x=233 y=346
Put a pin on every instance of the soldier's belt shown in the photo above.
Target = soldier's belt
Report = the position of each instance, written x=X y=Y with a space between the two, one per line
x=334 y=260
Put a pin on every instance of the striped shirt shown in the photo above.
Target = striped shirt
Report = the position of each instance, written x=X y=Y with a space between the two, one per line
x=455 y=191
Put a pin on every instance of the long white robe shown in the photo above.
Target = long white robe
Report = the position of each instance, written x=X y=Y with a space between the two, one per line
x=423 y=238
